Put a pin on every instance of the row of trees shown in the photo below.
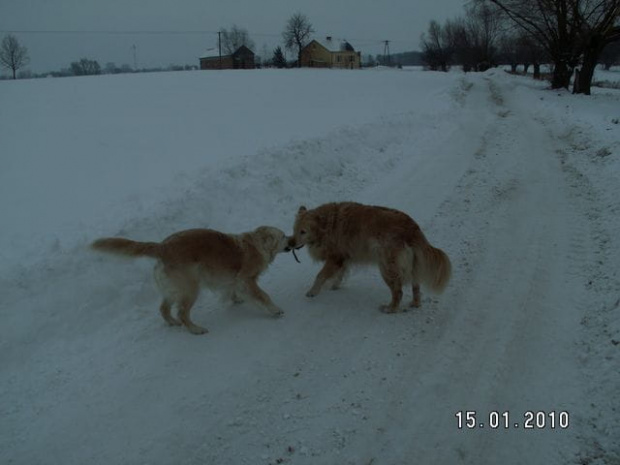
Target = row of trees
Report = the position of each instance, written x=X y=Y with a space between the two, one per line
x=85 y=67
x=570 y=34
x=471 y=41
x=478 y=41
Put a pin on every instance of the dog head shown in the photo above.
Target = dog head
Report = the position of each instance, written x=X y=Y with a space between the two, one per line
x=271 y=240
x=304 y=229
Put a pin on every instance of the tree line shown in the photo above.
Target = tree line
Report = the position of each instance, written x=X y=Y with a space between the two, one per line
x=571 y=35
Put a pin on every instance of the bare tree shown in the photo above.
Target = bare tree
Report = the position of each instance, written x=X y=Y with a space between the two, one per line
x=595 y=36
x=462 y=43
x=472 y=41
x=570 y=31
x=297 y=34
x=511 y=52
x=548 y=22
x=235 y=38
x=532 y=54
x=12 y=55
x=483 y=28
x=436 y=49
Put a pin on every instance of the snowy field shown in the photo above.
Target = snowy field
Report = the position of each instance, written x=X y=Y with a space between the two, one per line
x=517 y=183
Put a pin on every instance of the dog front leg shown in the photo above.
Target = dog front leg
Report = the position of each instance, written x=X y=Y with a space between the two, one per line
x=330 y=268
x=339 y=278
x=262 y=298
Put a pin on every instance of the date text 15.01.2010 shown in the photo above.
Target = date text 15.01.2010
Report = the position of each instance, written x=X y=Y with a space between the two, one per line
x=470 y=419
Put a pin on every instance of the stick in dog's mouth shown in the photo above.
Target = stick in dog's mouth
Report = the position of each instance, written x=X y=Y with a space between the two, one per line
x=292 y=249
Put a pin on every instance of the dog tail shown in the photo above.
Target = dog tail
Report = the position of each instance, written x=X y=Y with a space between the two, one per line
x=120 y=246
x=431 y=266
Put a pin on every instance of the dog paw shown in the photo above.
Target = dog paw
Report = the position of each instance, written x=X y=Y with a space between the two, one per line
x=414 y=304
x=312 y=293
x=388 y=309
x=198 y=330
x=236 y=300
x=278 y=313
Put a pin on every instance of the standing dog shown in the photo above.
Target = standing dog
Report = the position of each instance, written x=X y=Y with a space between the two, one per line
x=342 y=234
x=188 y=259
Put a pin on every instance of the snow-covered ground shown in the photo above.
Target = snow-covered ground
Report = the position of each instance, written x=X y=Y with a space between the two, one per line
x=518 y=184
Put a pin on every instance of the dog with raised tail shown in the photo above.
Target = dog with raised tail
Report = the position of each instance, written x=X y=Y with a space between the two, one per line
x=188 y=260
x=348 y=233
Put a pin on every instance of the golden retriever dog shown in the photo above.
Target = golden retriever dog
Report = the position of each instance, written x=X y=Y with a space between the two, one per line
x=347 y=233
x=188 y=259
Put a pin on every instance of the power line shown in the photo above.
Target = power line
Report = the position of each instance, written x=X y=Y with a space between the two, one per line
x=135 y=58
x=169 y=32
x=108 y=32
x=359 y=43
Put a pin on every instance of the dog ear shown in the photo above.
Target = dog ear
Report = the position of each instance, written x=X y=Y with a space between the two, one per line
x=302 y=209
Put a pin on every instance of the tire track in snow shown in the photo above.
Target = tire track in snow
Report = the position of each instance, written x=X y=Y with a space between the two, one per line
x=594 y=267
x=506 y=325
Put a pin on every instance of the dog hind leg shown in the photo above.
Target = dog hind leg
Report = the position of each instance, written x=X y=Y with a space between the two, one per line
x=390 y=272
x=168 y=289
x=415 y=302
x=235 y=294
x=186 y=302
x=164 y=309
x=262 y=298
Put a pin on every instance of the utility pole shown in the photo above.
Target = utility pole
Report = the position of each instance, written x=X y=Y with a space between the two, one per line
x=135 y=59
x=219 y=45
x=386 y=52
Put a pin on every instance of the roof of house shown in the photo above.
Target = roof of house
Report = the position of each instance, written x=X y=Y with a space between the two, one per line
x=241 y=49
x=213 y=57
x=335 y=45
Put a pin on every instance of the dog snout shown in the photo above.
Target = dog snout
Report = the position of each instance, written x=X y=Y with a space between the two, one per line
x=290 y=243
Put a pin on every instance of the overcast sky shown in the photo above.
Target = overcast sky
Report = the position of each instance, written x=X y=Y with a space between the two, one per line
x=364 y=23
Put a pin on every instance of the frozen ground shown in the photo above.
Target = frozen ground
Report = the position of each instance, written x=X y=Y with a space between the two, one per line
x=518 y=184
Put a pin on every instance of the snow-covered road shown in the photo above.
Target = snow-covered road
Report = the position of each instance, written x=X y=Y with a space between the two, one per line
x=90 y=374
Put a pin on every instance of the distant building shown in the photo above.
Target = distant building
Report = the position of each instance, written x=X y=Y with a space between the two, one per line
x=329 y=53
x=243 y=58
